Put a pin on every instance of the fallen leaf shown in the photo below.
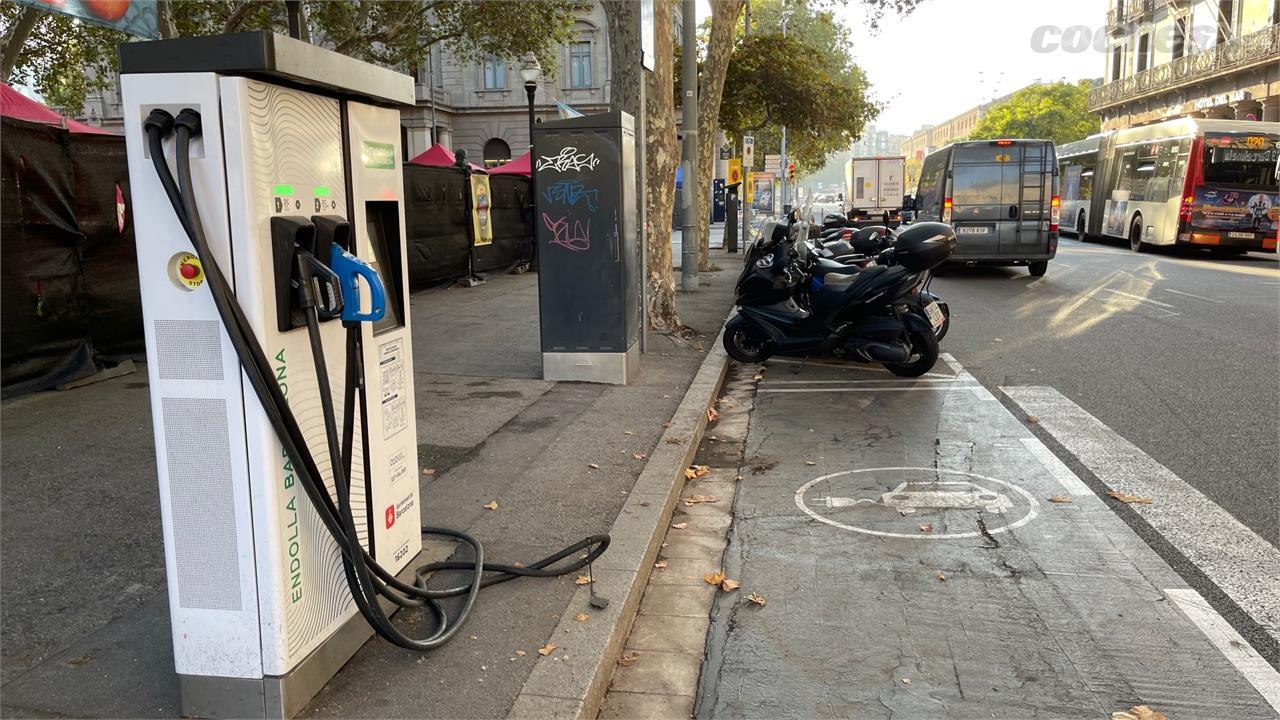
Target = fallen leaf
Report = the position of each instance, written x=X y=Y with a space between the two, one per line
x=1033 y=419
x=491 y=505
x=1139 y=712
x=712 y=414
x=593 y=466
x=547 y=649
x=700 y=470
x=758 y=378
x=627 y=432
x=1060 y=499
x=639 y=456
x=521 y=653
x=628 y=659
x=660 y=565
x=906 y=681
x=728 y=585
x=942 y=577
x=714 y=578
x=680 y=525
x=644 y=503
x=1125 y=497
x=581 y=617
x=757 y=600
x=428 y=471
x=517 y=564
x=699 y=499
x=739 y=478
x=689 y=474
x=926 y=528
x=675 y=441
x=583 y=580
x=810 y=462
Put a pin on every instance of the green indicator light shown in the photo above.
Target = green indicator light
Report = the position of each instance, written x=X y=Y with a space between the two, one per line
x=321 y=191
x=282 y=190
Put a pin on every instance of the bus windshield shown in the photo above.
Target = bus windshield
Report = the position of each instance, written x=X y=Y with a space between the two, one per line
x=1248 y=161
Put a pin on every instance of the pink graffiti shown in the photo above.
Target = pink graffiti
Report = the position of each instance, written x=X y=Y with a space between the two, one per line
x=577 y=238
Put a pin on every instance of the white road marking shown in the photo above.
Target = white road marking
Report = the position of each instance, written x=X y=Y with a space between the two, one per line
x=1197 y=297
x=856 y=382
x=1139 y=298
x=956 y=368
x=1233 y=557
x=865 y=389
x=1257 y=671
x=853 y=367
x=1057 y=468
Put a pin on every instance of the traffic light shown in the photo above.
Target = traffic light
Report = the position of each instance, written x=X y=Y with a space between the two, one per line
x=791 y=171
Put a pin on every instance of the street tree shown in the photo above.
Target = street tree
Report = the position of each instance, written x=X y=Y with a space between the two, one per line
x=1053 y=111
x=51 y=52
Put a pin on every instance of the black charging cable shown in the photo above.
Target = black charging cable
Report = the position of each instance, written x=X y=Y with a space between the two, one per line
x=366 y=578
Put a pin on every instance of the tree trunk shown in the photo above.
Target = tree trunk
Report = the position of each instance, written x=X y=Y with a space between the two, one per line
x=16 y=38
x=663 y=156
x=724 y=23
x=164 y=19
x=624 y=94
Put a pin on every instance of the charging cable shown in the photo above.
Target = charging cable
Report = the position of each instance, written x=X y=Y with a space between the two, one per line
x=366 y=578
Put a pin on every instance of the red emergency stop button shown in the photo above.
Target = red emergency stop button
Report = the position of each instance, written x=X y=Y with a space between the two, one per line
x=186 y=270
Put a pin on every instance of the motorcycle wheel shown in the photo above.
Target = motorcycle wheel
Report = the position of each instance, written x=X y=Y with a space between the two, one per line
x=924 y=347
x=748 y=345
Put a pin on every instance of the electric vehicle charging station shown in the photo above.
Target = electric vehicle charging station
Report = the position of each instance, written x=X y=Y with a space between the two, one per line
x=298 y=148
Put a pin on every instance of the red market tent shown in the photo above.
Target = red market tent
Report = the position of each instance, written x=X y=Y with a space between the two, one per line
x=518 y=166
x=14 y=104
x=440 y=156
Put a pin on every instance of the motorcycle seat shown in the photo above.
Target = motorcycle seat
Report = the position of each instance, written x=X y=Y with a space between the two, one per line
x=826 y=268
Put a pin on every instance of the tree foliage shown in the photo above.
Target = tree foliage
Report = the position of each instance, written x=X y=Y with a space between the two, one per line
x=1055 y=111
x=394 y=33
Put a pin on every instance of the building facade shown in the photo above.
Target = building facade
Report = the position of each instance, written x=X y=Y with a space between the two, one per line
x=1168 y=59
x=876 y=142
x=481 y=106
x=931 y=137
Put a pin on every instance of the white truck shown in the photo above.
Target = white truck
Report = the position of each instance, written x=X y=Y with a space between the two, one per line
x=873 y=187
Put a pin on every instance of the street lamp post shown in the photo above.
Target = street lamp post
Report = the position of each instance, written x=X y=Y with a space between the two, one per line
x=530 y=73
x=782 y=159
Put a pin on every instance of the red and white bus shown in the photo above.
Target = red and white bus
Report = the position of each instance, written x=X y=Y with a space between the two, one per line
x=1208 y=183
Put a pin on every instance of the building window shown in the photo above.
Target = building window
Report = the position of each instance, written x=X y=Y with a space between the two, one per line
x=1117 y=62
x=495 y=74
x=580 y=64
x=437 y=65
x=1179 y=37
x=1226 y=19
x=1144 y=51
x=497 y=149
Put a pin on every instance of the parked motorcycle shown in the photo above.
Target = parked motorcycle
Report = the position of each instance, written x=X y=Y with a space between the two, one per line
x=874 y=314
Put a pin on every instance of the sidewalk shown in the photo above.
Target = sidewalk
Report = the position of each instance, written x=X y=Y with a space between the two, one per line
x=85 y=616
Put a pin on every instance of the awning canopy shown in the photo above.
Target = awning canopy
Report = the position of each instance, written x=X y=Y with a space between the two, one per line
x=519 y=166
x=440 y=156
x=14 y=104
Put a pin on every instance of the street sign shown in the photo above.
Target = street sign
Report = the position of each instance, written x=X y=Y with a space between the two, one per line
x=773 y=164
x=749 y=192
x=646 y=35
x=735 y=171
x=748 y=152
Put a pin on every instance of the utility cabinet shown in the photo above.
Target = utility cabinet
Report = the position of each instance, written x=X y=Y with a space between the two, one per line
x=589 y=270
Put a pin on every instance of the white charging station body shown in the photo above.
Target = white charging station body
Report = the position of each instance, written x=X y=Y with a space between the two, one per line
x=260 y=608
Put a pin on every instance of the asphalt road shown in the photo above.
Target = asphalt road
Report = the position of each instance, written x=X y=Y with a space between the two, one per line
x=1175 y=351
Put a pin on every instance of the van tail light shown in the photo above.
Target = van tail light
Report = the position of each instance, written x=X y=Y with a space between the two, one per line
x=946 y=211
x=1055 y=213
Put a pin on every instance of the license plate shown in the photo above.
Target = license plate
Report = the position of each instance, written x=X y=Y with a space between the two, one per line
x=973 y=230
x=1240 y=235
x=934 y=313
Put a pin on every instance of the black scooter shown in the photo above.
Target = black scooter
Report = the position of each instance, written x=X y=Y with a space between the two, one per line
x=873 y=315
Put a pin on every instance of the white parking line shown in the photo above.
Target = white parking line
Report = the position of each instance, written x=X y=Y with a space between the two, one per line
x=1257 y=671
x=866 y=389
x=1233 y=557
x=1197 y=297
x=1139 y=298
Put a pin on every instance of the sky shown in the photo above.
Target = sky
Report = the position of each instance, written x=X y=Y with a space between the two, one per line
x=951 y=55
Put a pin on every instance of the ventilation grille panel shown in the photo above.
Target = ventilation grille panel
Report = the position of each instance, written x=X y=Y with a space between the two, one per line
x=202 y=502
x=189 y=349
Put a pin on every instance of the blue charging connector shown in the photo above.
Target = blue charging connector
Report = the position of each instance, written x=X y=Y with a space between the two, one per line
x=350 y=269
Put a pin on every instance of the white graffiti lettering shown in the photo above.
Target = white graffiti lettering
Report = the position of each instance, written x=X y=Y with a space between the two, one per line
x=568 y=159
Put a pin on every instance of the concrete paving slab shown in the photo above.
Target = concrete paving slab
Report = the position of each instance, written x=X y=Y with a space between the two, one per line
x=659 y=673
x=669 y=634
x=917 y=569
x=676 y=600
x=645 y=706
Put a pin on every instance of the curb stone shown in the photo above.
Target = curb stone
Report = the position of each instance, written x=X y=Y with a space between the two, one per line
x=572 y=681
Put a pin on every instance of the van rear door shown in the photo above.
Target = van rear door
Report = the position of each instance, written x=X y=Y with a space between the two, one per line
x=1031 y=196
x=978 y=195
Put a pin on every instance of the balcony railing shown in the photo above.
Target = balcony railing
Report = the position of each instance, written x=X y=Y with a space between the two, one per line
x=1237 y=53
x=1133 y=11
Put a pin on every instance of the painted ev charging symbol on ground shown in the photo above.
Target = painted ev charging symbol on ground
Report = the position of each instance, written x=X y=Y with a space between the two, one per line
x=895 y=501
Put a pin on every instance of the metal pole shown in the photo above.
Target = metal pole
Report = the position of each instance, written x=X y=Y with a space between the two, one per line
x=530 y=89
x=431 y=93
x=642 y=160
x=689 y=82
x=782 y=162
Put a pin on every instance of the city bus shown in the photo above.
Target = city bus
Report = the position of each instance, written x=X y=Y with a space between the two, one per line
x=1200 y=183
x=1001 y=196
